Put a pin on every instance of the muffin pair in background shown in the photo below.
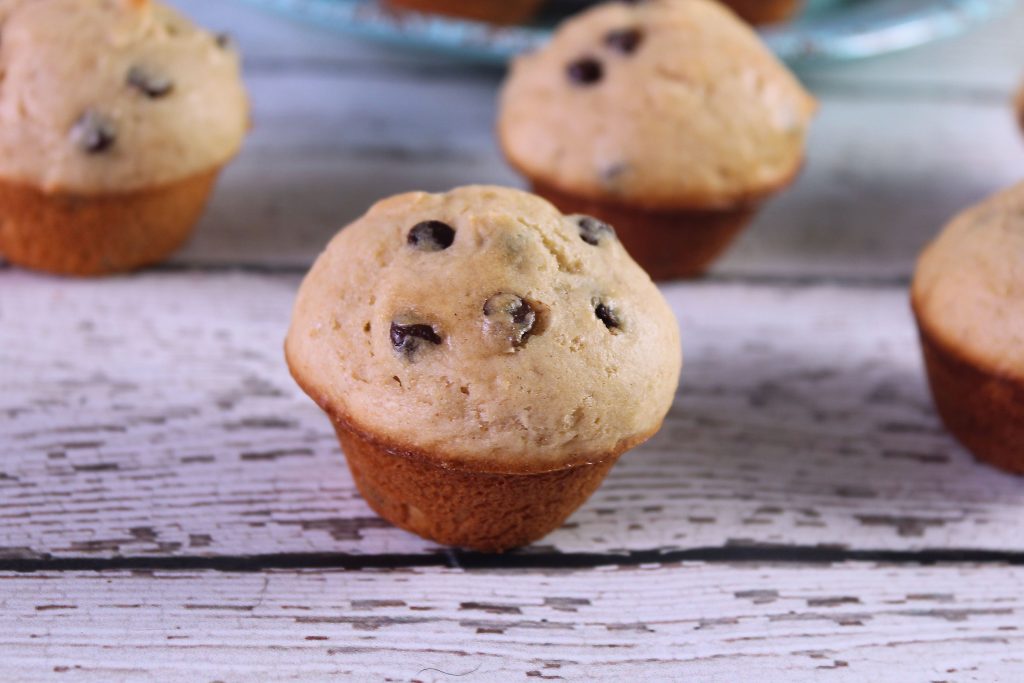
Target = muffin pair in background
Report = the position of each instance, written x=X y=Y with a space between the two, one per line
x=116 y=117
x=682 y=124
x=518 y=11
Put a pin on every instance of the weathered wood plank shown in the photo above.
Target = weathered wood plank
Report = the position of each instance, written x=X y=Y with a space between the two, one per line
x=883 y=174
x=850 y=623
x=153 y=415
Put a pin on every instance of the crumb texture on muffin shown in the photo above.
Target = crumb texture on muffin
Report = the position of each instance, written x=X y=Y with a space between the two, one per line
x=107 y=96
x=668 y=104
x=968 y=290
x=484 y=325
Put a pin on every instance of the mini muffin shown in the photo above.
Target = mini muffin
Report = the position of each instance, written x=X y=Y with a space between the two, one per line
x=492 y=11
x=115 y=118
x=668 y=119
x=968 y=298
x=764 y=11
x=485 y=360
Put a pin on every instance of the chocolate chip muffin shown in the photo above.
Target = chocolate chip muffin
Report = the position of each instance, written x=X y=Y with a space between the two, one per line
x=764 y=11
x=491 y=11
x=668 y=119
x=485 y=360
x=968 y=298
x=115 y=119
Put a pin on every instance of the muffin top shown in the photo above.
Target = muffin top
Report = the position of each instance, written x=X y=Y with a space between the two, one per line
x=484 y=327
x=113 y=95
x=664 y=104
x=969 y=286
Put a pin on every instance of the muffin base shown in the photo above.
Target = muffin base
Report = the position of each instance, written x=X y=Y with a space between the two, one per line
x=983 y=410
x=667 y=244
x=452 y=505
x=74 y=234
x=764 y=11
x=507 y=12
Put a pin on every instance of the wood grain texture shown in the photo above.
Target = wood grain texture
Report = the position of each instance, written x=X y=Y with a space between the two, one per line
x=154 y=415
x=721 y=623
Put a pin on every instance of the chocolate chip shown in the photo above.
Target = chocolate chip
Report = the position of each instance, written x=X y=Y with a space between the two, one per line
x=625 y=40
x=431 y=236
x=94 y=133
x=224 y=41
x=510 y=316
x=585 y=71
x=606 y=315
x=149 y=83
x=592 y=231
x=407 y=339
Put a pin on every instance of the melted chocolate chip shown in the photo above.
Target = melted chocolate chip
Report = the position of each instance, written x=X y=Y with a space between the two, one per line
x=224 y=41
x=606 y=315
x=150 y=84
x=431 y=236
x=407 y=339
x=510 y=316
x=585 y=71
x=625 y=40
x=592 y=231
x=94 y=133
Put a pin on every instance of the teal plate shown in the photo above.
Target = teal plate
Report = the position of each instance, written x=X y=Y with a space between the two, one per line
x=828 y=30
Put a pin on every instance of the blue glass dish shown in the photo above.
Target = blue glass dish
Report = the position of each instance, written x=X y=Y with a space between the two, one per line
x=828 y=30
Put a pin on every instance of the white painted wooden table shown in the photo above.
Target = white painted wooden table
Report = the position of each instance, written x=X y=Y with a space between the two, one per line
x=172 y=508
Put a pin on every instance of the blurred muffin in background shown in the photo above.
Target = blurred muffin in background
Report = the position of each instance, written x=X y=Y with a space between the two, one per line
x=115 y=120
x=968 y=299
x=668 y=119
x=492 y=11
x=764 y=11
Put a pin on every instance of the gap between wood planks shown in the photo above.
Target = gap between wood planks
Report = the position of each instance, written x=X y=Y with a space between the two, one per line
x=537 y=560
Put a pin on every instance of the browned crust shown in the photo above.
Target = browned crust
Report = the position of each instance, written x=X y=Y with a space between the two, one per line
x=982 y=409
x=67 y=233
x=504 y=12
x=483 y=511
x=480 y=464
x=764 y=11
x=667 y=244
